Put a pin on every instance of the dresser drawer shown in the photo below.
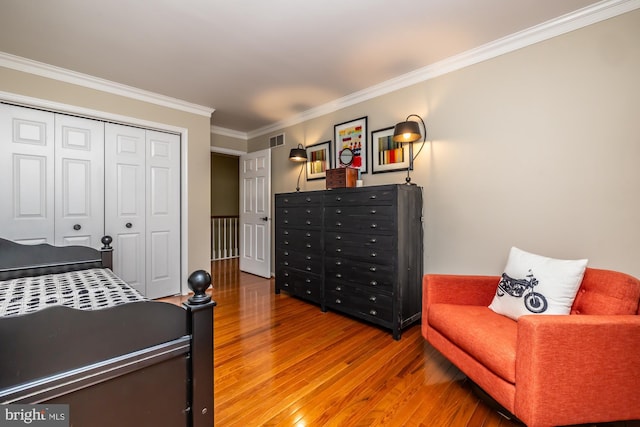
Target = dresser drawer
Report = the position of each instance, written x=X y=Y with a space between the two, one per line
x=369 y=274
x=306 y=198
x=371 y=219
x=299 y=216
x=304 y=262
x=379 y=195
x=298 y=235
x=361 y=302
x=296 y=242
x=299 y=259
x=365 y=247
x=307 y=286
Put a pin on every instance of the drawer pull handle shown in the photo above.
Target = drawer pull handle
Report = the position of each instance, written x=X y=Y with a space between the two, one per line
x=338 y=237
x=338 y=301
x=373 y=240
x=373 y=196
x=307 y=280
x=308 y=292
x=308 y=222
x=338 y=262
x=308 y=211
x=308 y=245
x=308 y=199
x=308 y=234
x=286 y=233
x=286 y=200
x=338 y=198
x=286 y=211
x=308 y=268
x=372 y=269
x=338 y=250
x=338 y=224
x=286 y=274
x=373 y=283
x=374 y=225
x=286 y=253
x=339 y=275
x=286 y=263
x=373 y=254
x=286 y=242
x=373 y=312
x=373 y=211
x=372 y=298
x=338 y=288
x=286 y=285
x=308 y=257
x=338 y=211
x=286 y=221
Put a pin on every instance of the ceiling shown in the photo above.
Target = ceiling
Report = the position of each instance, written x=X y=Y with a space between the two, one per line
x=258 y=62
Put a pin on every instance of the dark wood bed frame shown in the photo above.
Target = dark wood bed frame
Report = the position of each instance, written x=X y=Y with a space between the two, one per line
x=138 y=364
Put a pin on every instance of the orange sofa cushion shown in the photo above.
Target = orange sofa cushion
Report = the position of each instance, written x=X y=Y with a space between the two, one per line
x=607 y=292
x=488 y=337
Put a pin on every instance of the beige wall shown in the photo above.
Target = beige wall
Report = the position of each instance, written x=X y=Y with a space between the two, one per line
x=228 y=142
x=538 y=148
x=198 y=134
x=225 y=185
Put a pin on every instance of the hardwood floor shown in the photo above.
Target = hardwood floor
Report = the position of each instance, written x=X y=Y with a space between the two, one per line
x=282 y=362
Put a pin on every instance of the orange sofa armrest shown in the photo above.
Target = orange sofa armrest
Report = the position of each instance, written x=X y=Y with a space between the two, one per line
x=577 y=368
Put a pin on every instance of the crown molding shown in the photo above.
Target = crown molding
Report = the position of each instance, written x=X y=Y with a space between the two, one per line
x=555 y=27
x=229 y=132
x=56 y=73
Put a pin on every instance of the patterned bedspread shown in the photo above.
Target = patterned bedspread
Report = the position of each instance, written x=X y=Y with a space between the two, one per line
x=92 y=289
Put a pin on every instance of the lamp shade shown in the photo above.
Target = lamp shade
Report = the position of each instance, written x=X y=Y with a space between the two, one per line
x=298 y=154
x=407 y=132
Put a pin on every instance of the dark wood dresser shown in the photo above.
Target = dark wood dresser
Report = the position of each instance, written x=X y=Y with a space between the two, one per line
x=370 y=244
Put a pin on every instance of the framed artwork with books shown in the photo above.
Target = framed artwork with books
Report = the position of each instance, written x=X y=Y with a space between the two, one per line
x=318 y=160
x=387 y=155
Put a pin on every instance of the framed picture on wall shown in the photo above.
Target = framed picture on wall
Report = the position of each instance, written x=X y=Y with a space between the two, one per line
x=350 y=144
x=386 y=155
x=318 y=160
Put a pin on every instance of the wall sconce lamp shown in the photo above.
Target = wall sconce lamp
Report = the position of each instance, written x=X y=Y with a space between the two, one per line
x=298 y=154
x=409 y=131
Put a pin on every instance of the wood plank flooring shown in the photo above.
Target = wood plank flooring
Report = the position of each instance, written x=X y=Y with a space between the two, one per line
x=280 y=361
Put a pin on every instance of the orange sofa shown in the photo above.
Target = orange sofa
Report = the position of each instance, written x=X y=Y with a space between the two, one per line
x=547 y=370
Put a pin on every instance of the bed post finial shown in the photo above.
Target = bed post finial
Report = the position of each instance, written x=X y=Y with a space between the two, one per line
x=106 y=253
x=199 y=281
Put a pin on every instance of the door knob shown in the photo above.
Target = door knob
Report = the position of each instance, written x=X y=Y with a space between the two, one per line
x=265 y=218
x=77 y=227
x=128 y=225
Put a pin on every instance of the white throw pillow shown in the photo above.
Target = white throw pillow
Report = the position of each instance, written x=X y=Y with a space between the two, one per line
x=534 y=284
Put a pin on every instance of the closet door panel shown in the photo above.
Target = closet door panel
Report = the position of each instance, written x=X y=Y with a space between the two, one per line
x=79 y=180
x=163 y=214
x=26 y=175
x=125 y=201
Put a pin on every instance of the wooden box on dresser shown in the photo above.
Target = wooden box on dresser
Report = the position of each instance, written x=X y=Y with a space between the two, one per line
x=299 y=266
x=372 y=240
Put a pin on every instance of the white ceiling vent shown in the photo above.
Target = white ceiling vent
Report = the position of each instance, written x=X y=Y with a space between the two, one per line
x=276 y=140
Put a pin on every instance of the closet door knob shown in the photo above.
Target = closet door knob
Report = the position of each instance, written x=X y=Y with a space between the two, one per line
x=77 y=227
x=128 y=225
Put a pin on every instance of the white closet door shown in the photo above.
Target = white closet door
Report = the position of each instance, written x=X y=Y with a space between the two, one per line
x=26 y=175
x=163 y=214
x=79 y=180
x=125 y=201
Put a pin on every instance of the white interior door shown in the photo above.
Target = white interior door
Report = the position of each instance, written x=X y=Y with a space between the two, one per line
x=26 y=175
x=125 y=217
x=79 y=181
x=162 y=214
x=255 y=209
